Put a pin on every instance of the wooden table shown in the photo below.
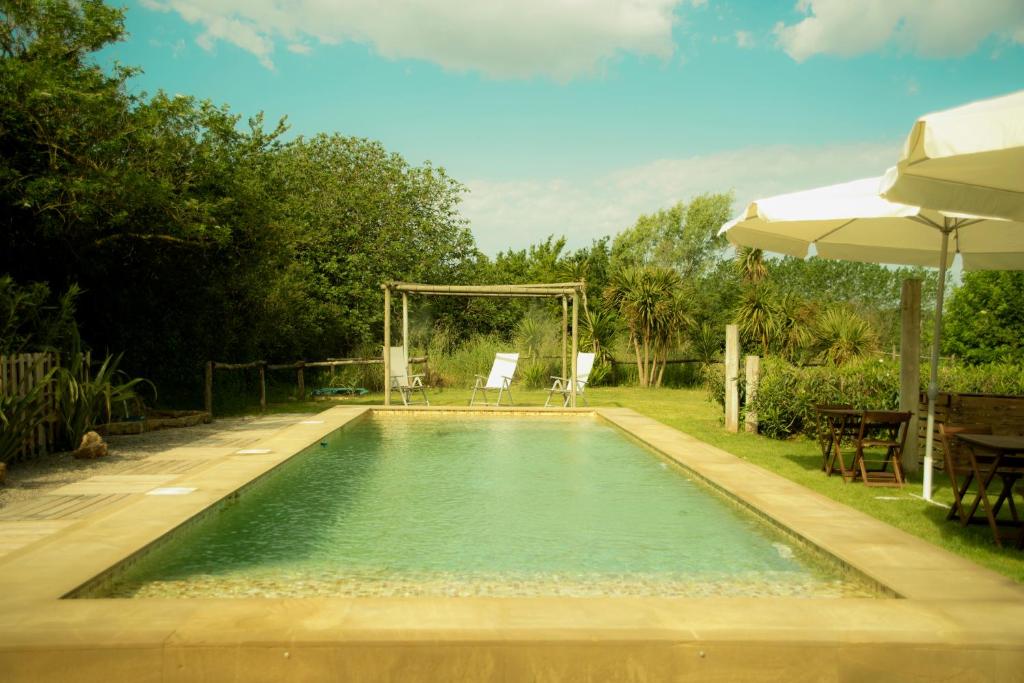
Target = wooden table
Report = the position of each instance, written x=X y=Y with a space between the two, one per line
x=991 y=455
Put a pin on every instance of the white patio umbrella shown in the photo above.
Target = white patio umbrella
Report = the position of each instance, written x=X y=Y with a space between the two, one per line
x=969 y=159
x=852 y=222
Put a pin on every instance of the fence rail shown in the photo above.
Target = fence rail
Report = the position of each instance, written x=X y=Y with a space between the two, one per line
x=298 y=366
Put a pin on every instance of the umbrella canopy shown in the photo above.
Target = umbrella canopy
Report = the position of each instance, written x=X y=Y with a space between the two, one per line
x=968 y=159
x=852 y=222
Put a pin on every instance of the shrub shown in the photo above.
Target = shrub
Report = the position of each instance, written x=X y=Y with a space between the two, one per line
x=787 y=394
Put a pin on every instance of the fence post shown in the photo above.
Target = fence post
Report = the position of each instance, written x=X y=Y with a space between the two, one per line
x=753 y=376
x=302 y=380
x=732 y=371
x=263 y=386
x=910 y=366
x=208 y=388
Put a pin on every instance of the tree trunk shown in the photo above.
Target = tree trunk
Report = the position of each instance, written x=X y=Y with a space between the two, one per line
x=639 y=360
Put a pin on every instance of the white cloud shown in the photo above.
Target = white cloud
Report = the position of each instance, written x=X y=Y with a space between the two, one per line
x=744 y=39
x=561 y=39
x=928 y=28
x=514 y=214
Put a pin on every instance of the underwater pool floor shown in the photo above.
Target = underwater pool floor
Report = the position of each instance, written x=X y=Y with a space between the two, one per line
x=481 y=506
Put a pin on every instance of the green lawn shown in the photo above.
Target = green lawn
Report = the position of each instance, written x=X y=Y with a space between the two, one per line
x=799 y=460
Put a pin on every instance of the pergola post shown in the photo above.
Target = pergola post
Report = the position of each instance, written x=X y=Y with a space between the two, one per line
x=910 y=367
x=565 y=332
x=575 y=345
x=387 y=345
x=405 y=328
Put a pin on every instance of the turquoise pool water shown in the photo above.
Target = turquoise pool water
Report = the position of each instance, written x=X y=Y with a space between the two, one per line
x=453 y=505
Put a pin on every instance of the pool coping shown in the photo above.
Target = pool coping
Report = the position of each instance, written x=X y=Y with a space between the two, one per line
x=952 y=616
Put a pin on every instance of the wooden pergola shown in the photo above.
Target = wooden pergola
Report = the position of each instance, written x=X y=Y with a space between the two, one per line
x=564 y=290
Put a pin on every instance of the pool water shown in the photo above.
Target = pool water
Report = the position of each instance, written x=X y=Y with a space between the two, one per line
x=468 y=505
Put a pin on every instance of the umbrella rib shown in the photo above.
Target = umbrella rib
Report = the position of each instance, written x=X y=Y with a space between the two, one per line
x=958 y=183
x=834 y=231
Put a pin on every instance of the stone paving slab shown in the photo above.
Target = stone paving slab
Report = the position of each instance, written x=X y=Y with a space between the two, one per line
x=115 y=483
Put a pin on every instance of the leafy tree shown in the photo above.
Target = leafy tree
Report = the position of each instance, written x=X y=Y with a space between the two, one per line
x=984 y=322
x=683 y=237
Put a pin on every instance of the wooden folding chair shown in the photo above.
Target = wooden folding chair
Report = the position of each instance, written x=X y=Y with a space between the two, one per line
x=831 y=431
x=881 y=429
x=958 y=465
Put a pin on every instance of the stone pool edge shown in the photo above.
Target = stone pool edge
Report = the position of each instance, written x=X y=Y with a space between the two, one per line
x=956 y=616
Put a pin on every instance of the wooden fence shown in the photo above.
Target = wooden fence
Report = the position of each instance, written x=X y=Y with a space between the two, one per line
x=298 y=366
x=1005 y=414
x=18 y=376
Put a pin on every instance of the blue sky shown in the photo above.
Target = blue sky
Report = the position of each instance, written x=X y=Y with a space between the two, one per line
x=574 y=116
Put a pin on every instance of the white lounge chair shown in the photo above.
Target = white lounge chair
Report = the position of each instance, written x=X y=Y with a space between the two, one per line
x=502 y=371
x=563 y=385
x=401 y=381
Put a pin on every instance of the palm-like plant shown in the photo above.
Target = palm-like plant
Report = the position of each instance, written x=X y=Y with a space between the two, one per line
x=758 y=315
x=647 y=299
x=751 y=266
x=796 y=317
x=842 y=336
x=83 y=398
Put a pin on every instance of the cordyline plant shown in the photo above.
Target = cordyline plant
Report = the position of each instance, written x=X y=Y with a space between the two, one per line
x=83 y=398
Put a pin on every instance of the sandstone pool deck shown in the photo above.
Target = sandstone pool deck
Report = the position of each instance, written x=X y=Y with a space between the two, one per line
x=951 y=620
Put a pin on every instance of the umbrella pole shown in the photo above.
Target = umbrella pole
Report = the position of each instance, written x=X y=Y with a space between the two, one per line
x=933 y=380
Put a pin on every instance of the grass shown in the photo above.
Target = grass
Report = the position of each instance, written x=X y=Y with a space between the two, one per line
x=798 y=460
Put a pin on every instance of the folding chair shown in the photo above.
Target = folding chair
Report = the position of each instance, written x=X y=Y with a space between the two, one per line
x=563 y=385
x=957 y=463
x=500 y=378
x=881 y=429
x=401 y=381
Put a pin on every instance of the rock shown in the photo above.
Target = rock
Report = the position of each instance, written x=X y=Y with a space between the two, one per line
x=92 y=446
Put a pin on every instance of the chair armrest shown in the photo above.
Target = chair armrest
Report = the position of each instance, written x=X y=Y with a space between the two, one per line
x=480 y=376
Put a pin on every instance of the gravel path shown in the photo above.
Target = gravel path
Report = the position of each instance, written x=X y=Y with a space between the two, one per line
x=28 y=479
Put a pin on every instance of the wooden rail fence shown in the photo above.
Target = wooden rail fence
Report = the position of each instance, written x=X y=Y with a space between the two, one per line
x=298 y=366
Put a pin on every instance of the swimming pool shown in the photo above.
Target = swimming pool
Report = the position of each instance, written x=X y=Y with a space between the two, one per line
x=450 y=505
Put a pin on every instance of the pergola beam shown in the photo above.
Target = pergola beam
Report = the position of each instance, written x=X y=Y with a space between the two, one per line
x=535 y=290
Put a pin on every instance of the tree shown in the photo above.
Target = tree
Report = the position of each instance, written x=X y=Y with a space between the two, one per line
x=683 y=237
x=984 y=322
x=649 y=300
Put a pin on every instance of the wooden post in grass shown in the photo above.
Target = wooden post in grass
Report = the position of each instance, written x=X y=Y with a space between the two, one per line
x=575 y=345
x=732 y=371
x=387 y=345
x=301 y=380
x=263 y=387
x=208 y=389
x=405 y=328
x=753 y=376
x=910 y=366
